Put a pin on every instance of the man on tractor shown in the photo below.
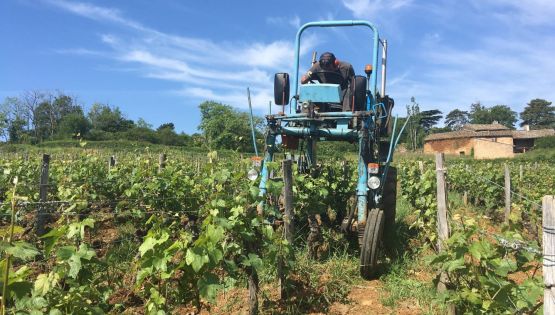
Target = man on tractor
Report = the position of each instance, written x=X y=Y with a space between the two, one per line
x=330 y=70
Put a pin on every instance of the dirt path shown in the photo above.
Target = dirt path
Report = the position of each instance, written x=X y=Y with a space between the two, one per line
x=365 y=298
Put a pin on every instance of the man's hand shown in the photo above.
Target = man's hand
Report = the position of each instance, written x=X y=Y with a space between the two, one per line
x=305 y=78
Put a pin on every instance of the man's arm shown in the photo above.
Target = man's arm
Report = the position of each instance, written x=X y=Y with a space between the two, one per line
x=308 y=75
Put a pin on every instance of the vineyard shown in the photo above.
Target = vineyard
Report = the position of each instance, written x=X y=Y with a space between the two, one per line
x=144 y=234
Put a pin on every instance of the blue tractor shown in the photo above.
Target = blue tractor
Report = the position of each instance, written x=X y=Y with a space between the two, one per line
x=316 y=113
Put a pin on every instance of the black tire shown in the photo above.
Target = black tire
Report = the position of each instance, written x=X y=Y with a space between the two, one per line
x=370 y=247
x=389 y=199
x=358 y=93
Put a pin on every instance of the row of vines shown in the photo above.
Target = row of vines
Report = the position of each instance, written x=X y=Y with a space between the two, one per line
x=492 y=266
x=172 y=239
x=136 y=236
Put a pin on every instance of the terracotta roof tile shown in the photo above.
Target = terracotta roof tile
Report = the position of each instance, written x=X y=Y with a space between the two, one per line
x=484 y=127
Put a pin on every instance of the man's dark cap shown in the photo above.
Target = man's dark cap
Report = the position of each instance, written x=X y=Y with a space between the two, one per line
x=327 y=59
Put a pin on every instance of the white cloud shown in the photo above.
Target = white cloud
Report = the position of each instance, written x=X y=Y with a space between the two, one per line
x=494 y=71
x=95 y=12
x=371 y=9
x=294 y=21
x=197 y=63
x=529 y=12
x=238 y=98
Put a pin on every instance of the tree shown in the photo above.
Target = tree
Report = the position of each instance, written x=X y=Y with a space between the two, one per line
x=456 y=119
x=74 y=124
x=49 y=113
x=30 y=101
x=169 y=126
x=429 y=118
x=226 y=128
x=16 y=130
x=503 y=114
x=479 y=114
x=538 y=114
x=108 y=119
x=413 y=111
x=141 y=123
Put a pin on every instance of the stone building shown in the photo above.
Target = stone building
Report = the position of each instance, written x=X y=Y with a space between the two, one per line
x=484 y=141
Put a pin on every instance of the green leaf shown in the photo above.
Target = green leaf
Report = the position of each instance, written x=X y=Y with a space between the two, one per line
x=44 y=283
x=455 y=264
x=196 y=258
x=151 y=241
x=208 y=287
x=74 y=266
x=502 y=267
x=252 y=260
x=65 y=252
x=20 y=289
x=51 y=238
x=22 y=250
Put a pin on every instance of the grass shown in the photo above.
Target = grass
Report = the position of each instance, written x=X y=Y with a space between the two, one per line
x=405 y=277
x=400 y=285
x=314 y=284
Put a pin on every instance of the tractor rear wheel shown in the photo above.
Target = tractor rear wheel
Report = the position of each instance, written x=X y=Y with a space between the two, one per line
x=370 y=247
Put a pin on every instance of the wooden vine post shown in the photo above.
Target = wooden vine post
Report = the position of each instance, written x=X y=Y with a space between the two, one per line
x=253 y=290
x=442 y=223
x=288 y=199
x=40 y=219
x=507 y=193
x=548 y=216
x=111 y=162
x=161 y=162
x=288 y=227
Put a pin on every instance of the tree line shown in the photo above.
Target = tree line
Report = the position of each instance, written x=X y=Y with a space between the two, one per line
x=35 y=117
x=538 y=114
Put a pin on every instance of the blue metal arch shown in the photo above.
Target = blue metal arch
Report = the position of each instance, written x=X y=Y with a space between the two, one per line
x=373 y=77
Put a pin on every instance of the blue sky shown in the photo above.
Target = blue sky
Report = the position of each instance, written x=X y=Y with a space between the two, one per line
x=158 y=60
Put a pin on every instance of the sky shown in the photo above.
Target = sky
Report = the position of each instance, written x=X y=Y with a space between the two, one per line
x=158 y=60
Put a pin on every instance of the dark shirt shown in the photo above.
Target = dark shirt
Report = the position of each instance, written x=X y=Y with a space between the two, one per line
x=344 y=69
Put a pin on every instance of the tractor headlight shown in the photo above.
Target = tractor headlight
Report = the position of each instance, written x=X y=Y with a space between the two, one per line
x=252 y=174
x=373 y=182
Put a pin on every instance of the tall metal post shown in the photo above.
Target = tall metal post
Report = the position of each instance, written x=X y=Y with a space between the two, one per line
x=252 y=123
x=384 y=64
x=362 y=184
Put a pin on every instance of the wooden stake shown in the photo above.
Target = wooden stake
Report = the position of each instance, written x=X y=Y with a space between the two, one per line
x=548 y=214
x=111 y=162
x=442 y=223
x=507 y=193
x=288 y=199
x=43 y=194
x=161 y=162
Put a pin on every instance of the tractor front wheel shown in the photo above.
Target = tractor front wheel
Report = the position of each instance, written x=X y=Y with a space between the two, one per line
x=370 y=247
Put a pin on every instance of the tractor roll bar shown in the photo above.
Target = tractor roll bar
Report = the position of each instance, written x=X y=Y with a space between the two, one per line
x=373 y=77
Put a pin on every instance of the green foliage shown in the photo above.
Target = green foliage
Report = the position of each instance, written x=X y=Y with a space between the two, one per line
x=480 y=114
x=108 y=119
x=538 y=114
x=419 y=124
x=485 y=276
x=456 y=119
x=226 y=128
x=545 y=143
x=73 y=125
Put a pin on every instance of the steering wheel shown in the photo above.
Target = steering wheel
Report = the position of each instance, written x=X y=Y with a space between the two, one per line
x=337 y=75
